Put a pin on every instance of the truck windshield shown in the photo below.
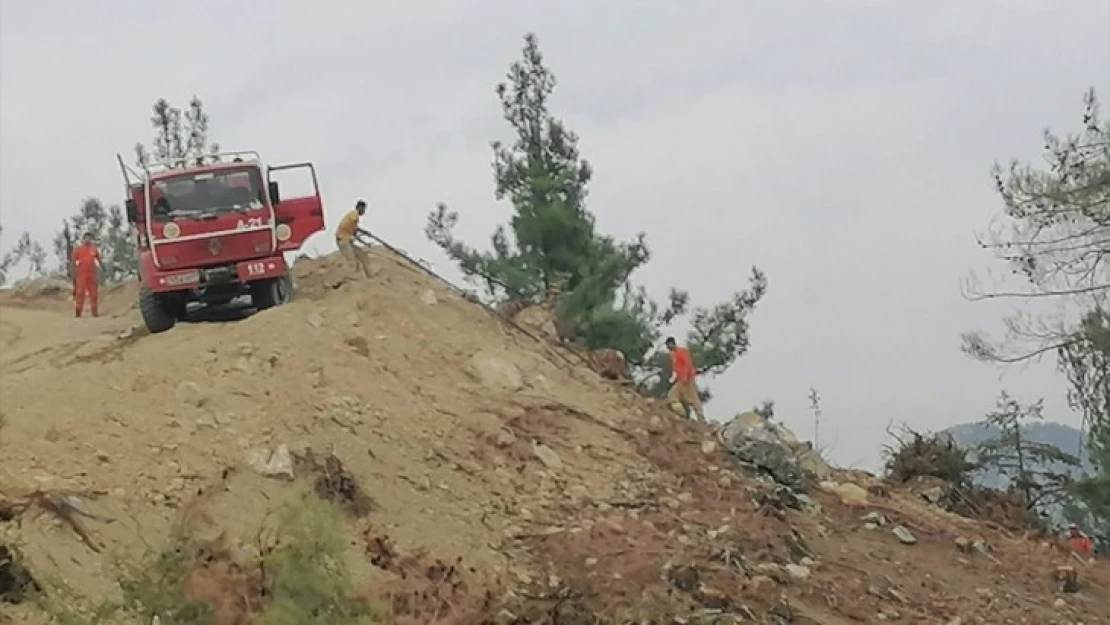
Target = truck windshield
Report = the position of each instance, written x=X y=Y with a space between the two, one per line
x=206 y=194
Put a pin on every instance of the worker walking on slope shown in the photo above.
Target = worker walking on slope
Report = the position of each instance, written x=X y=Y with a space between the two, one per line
x=683 y=395
x=86 y=275
x=345 y=234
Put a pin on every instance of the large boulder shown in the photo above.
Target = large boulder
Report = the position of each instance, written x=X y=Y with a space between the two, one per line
x=772 y=447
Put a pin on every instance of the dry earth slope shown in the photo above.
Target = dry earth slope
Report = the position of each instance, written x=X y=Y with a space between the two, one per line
x=565 y=498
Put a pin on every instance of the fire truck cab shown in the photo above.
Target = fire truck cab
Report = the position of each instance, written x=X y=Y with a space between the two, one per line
x=214 y=228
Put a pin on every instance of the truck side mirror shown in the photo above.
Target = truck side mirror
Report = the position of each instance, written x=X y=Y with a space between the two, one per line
x=132 y=211
x=275 y=195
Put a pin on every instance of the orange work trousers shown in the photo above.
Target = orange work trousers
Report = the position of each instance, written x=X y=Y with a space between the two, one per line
x=85 y=287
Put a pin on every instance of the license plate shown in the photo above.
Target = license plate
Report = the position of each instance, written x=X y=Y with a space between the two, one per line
x=183 y=278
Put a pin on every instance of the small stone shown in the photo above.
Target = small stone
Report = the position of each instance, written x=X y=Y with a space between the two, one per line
x=655 y=425
x=189 y=393
x=963 y=544
x=903 y=535
x=685 y=497
x=119 y=493
x=547 y=456
x=933 y=495
x=314 y=319
x=591 y=562
x=708 y=447
x=428 y=297
x=1060 y=604
x=875 y=518
x=797 y=572
x=103 y=457
x=505 y=438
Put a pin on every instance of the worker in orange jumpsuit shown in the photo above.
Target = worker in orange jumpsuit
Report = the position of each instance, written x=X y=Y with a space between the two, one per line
x=1079 y=543
x=345 y=234
x=86 y=276
x=683 y=395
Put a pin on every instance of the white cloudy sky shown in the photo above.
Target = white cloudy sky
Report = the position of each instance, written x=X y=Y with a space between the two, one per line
x=842 y=145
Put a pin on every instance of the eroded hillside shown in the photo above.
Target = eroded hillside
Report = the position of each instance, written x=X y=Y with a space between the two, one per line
x=563 y=497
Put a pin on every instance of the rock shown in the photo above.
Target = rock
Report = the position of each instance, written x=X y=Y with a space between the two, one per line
x=708 y=447
x=189 y=393
x=797 y=572
x=428 y=297
x=963 y=544
x=1060 y=604
x=547 y=456
x=874 y=518
x=103 y=457
x=314 y=319
x=934 y=495
x=655 y=425
x=505 y=438
x=903 y=535
x=277 y=463
x=849 y=494
x=759 y=442
x=495 y=372
x=608 y=363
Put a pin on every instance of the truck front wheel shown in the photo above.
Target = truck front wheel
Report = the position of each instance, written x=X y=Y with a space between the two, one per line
x=155 y=312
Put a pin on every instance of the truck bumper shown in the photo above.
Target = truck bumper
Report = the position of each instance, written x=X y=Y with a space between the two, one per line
x=235 y=273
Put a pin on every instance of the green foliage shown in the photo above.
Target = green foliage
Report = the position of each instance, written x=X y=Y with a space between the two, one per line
x=934 y=455
x=177 y=134
x=26 y=250
x=1056 y=222
x=110 y=231
x=1038 y=471
x=551 y=239
x=153 y=586
x=310 y=582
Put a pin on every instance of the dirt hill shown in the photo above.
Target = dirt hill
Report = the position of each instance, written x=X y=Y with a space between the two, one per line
x=488 y=476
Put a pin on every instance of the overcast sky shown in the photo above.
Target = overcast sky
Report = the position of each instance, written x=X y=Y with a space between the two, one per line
x=844 y=146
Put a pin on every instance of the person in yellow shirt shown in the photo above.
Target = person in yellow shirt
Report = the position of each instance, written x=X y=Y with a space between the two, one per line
x=345 y=234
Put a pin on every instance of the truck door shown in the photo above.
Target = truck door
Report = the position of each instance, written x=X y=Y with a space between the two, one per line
x=300 y=215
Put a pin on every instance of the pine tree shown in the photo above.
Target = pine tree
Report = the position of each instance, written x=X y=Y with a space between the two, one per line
x=551 y=239
x=1039 y=472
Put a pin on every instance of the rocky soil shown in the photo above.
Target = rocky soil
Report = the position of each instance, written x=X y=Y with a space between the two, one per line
x=489 y=476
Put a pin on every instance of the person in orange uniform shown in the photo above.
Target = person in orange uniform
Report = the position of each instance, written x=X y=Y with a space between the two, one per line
x=683 y=395
x=86 y=267
x=345 y=234
x=1079 y=543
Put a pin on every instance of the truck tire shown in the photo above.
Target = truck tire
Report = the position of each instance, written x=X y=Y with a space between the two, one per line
x=155 y=313
x=273 y=292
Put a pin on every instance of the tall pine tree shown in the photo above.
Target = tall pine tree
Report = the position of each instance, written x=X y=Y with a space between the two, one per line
x=552 y=239
x=1054 y=235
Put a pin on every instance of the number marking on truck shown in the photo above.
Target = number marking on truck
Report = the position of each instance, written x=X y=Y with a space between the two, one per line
x=256 y=269
x=246 y=224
